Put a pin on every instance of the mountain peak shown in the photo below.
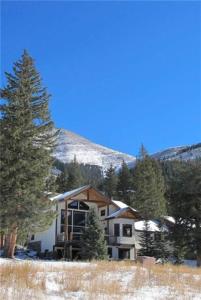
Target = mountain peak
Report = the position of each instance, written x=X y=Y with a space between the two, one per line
x=71 y=144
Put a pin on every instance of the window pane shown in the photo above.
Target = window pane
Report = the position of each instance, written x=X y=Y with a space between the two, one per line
x=103 y=212
x=78 y=218
x=83 y=206
x=127 y=230
x=116 y=229
x=73 y=205
x=63 y=216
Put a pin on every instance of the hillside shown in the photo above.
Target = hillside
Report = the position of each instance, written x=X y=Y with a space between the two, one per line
x=86 y=152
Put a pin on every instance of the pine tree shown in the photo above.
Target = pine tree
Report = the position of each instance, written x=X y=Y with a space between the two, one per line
x=149 y=187
x=124 y=184
x=185 y=201
x=93 y=244
x=162 y=246
x=62 y=182
x=146 y=241
x=110 y=182
x=75 y=179
x=27 y=140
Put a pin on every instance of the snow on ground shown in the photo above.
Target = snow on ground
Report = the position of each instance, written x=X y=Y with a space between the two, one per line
x=59 y=280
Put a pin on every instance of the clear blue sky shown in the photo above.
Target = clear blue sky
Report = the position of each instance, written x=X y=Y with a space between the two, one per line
x=120 y=73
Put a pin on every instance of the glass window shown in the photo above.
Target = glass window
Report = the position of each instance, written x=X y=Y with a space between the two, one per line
x=83 y=206
x=127 y=230
x=73 y=205
x=103 y=212
x=116 y=229
x=79 y=218
x=69 y=216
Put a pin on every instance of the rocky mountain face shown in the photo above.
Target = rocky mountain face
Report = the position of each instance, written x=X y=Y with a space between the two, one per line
x=70 y=145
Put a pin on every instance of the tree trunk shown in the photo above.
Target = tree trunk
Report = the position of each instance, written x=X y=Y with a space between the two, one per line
x=199 y=258
x=10 y=243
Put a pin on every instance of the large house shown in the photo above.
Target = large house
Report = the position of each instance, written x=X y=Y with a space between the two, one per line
x=72 y=208
x=118 y=220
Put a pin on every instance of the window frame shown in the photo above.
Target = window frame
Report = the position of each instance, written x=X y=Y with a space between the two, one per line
x=117 y=229
x=125 y=227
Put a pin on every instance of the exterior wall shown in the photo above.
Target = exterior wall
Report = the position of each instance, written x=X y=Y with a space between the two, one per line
x=121 y=239
x=46 y=237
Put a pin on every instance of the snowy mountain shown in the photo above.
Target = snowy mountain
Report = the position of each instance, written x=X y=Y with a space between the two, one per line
x=70 y=144
x=180 y=153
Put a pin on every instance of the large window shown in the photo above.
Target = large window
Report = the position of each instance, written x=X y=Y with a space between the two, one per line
x=127 y=230
x=116 y=230
x=77 y=220
x=78 y=205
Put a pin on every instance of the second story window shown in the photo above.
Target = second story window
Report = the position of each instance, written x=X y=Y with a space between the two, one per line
x=127 y=230
x=102 y=212
x=116 y=229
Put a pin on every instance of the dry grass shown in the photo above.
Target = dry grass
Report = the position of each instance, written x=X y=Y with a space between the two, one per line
x=97 y=280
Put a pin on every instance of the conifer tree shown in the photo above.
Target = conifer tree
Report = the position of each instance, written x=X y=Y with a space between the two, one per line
x=75 y=179
x=124 y=184
x=27 y=140
x=62 y=182
x=110 y=182
x=149 y=187
x=146 y=241
x=93 y=244
x=185 y=201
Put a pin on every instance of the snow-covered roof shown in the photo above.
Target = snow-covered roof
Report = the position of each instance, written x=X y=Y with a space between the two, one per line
x=118 y=213
x=120 y=204
x=170 y=219
x=152 y=225
x=70 y=193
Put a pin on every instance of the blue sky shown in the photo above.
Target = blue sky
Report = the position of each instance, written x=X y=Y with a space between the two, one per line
x=120 y=73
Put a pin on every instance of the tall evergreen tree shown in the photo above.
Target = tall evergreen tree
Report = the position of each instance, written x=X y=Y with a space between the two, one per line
x=62 y=182
x=124 y=184
x=93 y=244
x=146 y=241
x=185 y=202
x=75 y=179
x=110 y=182
x=149 y=187
x=27 y=140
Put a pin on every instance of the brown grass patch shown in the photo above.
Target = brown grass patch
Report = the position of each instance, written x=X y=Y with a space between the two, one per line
x=97 y=280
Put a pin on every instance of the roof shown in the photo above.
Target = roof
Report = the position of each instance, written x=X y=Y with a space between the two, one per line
x=70 y=193
x=120 y=204
x=170 y=219
x=89 y=194
x=152 y=226
x=119 y=212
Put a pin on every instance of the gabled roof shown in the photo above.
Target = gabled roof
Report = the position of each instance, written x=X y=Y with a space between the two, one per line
x=119 y=204
x=84 y=193
x=126 y=212
x=70 y=193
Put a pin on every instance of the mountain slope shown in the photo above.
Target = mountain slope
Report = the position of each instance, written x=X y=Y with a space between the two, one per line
x=71 y=144
x=182 y=152
x=86 y=152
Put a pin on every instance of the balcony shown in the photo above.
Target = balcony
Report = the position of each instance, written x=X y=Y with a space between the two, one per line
x=120 y=240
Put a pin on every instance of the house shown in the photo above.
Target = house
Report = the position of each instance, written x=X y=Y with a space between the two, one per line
x=62 y=237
